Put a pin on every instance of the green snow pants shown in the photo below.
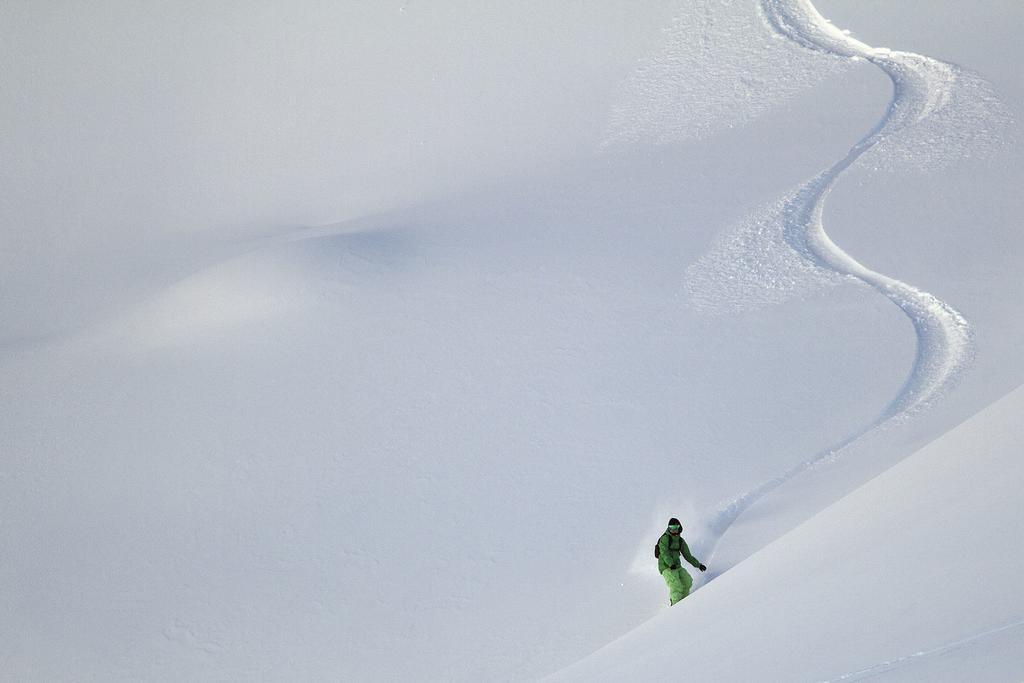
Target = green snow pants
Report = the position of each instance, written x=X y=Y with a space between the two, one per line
x=679 y=583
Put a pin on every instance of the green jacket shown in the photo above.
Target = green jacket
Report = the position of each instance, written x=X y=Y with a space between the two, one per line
x=670 y=548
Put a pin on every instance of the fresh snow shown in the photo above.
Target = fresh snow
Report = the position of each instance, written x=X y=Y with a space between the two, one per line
x=376 y=341
x=888 y=580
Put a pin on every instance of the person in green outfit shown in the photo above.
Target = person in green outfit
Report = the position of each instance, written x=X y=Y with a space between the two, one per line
x=670 y=546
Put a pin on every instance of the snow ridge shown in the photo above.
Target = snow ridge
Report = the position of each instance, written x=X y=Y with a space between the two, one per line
x=923 y=88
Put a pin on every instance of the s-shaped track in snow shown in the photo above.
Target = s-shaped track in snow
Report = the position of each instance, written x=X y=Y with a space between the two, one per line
x=921 y=87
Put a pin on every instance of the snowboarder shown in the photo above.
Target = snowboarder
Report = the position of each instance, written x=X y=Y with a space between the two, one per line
x=668 y=550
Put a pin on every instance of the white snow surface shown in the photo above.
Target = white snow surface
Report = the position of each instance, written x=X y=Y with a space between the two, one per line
x=885 y=583
x=378 y=341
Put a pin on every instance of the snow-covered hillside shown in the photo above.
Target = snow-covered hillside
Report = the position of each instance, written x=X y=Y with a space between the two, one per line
x=348 y=341
x=912 y=575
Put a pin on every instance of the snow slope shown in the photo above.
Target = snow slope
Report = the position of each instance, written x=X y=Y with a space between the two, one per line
x=570 y=274
x=911 y=577
x=955 y=111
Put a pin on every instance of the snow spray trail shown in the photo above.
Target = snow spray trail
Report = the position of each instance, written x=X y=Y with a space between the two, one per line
x=921 y=87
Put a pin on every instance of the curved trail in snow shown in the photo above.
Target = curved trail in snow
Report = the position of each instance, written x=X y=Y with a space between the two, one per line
x=921 y=87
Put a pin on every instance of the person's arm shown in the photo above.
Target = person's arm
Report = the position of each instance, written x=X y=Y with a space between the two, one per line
x=690 y=558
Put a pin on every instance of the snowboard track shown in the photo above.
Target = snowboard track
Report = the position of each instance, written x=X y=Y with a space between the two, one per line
x=922 y=86
x=917 y=657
